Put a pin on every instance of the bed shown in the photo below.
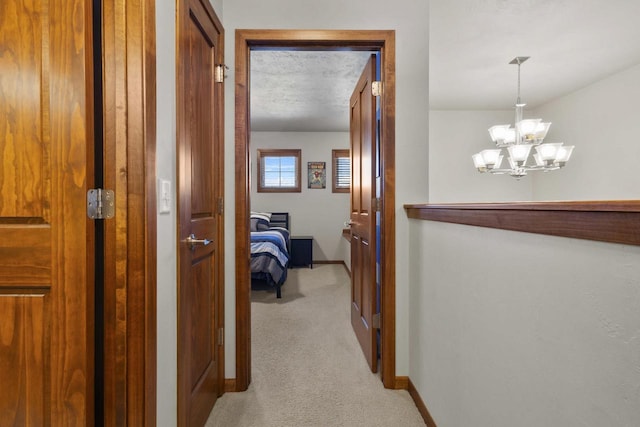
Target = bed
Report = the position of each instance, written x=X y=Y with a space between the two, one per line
x=270 y=245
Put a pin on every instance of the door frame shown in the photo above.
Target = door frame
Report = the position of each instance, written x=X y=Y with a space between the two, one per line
x=129 y=87
x=379 y=40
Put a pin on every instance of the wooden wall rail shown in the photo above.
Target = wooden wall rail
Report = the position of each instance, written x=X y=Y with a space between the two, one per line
x=615 y=221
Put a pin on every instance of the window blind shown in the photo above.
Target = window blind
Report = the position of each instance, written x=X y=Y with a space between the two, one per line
x=341 y=171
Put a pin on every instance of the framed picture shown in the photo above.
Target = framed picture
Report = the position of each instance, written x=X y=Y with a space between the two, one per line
x=317 y=174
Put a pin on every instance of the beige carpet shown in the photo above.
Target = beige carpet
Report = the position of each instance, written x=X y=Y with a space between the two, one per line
x=308 y=369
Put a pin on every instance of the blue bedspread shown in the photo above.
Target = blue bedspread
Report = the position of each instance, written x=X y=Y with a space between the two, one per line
x=269 y=255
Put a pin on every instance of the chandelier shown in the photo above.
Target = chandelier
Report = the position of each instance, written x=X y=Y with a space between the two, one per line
x=517 y=143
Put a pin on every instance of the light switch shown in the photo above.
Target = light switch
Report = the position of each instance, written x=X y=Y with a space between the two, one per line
x=164 y=196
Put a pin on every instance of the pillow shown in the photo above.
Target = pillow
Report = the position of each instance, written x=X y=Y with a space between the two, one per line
x=260 y=221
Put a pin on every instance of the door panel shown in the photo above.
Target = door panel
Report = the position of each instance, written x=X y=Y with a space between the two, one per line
x=363 y=241
x=46 y=251
x=199 y=189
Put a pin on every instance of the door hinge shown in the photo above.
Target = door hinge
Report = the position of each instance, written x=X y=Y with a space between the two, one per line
x=376 y=321
x=377 y=204
x=219 y=73
x=220 y=336
x=220 y=205
x=376 y=88
x=100 y=203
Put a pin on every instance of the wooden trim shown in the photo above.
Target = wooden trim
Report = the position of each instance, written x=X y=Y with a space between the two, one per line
x=340 y=262
x=614 y=221
x=384 y=41
x=388 y=195
x=422 y=408
x=344 y=264
x=242 y=194
x=142 y=363
x=402 y=383
x=230 y=385
x=130 y=238
x=114 y=126
x=220 y=308
x=346 y=233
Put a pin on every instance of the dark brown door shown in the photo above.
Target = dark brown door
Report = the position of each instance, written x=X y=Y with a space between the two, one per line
x=363 y=215
x=46 y=250
x=200 y=162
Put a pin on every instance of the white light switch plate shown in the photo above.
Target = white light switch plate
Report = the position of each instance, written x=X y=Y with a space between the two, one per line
x=164 y=196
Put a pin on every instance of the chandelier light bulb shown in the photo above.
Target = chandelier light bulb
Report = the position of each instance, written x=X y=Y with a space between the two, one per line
x=479 y=163
x=528 y=128
x=490 y=157
x=541 y=131
x=548 y=152
x=519 y=153
x=498 y=133
x=564 y=153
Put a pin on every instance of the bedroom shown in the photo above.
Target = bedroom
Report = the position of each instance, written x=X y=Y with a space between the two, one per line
x=282 y=89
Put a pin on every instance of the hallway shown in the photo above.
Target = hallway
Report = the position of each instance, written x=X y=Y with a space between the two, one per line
x=308 y=369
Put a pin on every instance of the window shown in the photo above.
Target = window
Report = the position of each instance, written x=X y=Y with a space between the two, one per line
x=279 y=171
x=341 y=171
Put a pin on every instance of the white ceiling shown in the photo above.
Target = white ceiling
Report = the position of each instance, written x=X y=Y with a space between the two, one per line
x=572 y=43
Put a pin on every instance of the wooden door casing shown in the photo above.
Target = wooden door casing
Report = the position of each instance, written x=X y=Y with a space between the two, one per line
x=46 y=239
x=129 y=123
x=363 y=215
x=382 y=41
x=200 y=191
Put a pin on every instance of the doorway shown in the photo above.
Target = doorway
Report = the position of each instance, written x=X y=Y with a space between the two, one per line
x=383 y=42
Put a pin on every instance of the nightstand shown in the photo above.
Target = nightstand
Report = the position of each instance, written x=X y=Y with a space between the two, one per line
x=301 y=251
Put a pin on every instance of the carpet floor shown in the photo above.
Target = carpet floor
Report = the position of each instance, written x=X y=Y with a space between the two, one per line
x=307 y=366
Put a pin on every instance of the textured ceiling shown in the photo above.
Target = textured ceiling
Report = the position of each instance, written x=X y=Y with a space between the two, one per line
x=303 y=90
x=572 y=43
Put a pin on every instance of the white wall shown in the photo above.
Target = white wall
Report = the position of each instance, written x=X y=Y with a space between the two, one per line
x=218 y=7
x=313 y=212
x=167 y=406
x=410 y=20
x=518 y=329
x=453 y=137
x=603 y=122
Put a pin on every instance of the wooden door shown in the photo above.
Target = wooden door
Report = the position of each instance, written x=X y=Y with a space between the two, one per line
x=363 y=215
x=200 y=234
x=46 y=239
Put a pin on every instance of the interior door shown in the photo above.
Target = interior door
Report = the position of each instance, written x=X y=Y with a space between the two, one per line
x=200 y=234
x=46 y=249
x=363 y=215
